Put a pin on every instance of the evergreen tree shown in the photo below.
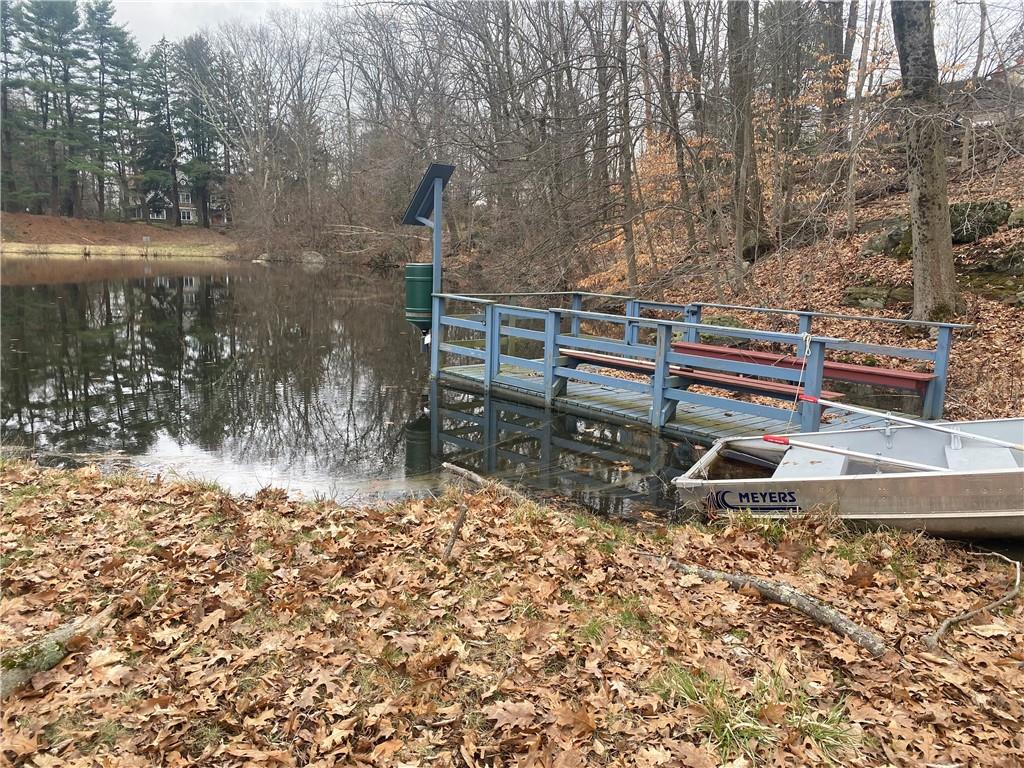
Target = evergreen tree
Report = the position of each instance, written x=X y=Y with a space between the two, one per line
x=7 y=41
x=108 y=43
x=194 y=65
x=159 y=159
x=50 y=38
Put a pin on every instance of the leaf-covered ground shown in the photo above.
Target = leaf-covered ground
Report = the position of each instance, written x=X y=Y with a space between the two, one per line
x=263 y=631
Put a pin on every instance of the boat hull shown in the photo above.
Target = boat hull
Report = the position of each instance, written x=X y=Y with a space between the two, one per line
x=969 y=505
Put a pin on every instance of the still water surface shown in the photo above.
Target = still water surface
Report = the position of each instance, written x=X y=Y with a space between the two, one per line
x=254 y=375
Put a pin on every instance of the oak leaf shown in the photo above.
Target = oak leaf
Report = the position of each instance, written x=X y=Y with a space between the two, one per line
x=511 y=714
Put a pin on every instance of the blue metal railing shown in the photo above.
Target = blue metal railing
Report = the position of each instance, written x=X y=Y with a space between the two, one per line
x=558 y=330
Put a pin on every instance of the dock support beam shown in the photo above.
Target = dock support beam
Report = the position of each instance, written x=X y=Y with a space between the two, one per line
x=810 y=413
x=936 y=394
x=692 y=315
x=437 y=310
x=661 y=408
x=492 y=344
x=553 y=385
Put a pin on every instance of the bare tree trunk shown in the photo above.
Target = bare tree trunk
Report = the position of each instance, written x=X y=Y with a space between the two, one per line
x=935 y=288
x=628 y=203
x=968 y=138
x=855 y=132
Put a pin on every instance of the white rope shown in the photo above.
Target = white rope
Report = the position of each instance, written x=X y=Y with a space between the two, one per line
x=805 y=339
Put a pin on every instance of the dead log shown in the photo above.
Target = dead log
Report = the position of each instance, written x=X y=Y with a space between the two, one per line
x=19 y=665
x=812 y=607
x=931 y=640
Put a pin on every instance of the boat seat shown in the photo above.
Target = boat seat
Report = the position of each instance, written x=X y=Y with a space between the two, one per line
x=974 y=457
x=803 y=463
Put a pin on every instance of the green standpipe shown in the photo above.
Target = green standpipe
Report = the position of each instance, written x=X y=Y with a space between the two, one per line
x=418 y=286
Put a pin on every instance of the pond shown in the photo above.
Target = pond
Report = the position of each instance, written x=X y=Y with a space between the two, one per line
x=297 y=376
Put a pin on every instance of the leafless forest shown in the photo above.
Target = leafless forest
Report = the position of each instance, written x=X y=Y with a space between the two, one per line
x=656 y=131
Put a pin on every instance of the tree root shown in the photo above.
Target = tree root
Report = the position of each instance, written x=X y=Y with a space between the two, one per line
x=775 y=592
x=931 y=640
x=19 y=665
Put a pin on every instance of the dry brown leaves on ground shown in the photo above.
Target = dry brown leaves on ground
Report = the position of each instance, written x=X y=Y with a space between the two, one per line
x=987 y=372
x=262 y=631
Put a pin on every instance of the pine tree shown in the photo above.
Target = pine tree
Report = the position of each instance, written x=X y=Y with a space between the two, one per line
x=108 y=43
x=50 y=37
x=159 y=157
x=7 y=40
x=194 y=65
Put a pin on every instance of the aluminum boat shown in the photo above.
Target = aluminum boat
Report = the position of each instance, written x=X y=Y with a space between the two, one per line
x=955 y=479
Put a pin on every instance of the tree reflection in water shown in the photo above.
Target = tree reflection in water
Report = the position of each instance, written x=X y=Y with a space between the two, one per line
x=304 y=374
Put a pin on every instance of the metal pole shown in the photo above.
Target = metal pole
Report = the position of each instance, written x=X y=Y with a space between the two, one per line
x=437 y=226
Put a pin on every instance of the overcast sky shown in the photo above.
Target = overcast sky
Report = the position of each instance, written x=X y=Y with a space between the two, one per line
x=149 y=20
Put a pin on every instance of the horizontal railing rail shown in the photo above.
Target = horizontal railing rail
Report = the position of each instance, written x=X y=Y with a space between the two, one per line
x=536 y=343
x=938 y=356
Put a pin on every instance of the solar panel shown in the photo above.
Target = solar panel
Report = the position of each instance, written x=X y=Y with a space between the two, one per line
x=422 y=205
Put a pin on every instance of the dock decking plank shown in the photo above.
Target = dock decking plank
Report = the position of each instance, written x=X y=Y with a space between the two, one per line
x=691 y=421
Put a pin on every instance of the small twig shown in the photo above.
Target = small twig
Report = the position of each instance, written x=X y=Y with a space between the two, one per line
x=483 y=482
x=931 y=640
x=463 y=510
x=783 y=594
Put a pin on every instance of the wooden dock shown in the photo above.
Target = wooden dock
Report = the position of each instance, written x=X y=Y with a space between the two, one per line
x=691 y=421
x=568 y=359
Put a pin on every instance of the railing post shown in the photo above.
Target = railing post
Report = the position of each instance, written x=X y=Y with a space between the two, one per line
x=660 y=373
x=577 y=306
x=814 y=370
x=492 y=344
x=805 y=327
x=693 y=312
x=631 y=332
x=935 y=397
x=552 y=384
x=437 y=310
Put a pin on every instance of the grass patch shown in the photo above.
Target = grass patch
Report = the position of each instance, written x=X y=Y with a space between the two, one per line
x=593 y=631
x=205 y=736
x=633 y=615
x=256 y=579
x=20 y=495
x=729 y=721
x=739 y=723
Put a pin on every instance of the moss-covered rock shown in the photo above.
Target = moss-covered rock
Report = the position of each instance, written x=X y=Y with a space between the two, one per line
x=755 y=245
x=887 y=243
x=724 y=321
x=969 y=221
x=901 y=294
x=866 y=296
x=1016 y=219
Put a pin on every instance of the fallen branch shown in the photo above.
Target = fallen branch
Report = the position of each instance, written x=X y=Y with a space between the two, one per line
x=19 y=665
x=783 y=594
x=931 y=640
x=483 y=482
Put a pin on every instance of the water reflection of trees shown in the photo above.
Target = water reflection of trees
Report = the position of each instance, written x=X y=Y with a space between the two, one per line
x=278 y=366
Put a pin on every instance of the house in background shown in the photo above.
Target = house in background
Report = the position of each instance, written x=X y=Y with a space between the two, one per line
x=161 y=207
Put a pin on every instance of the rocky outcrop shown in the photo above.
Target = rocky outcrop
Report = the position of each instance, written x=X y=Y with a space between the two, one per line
x=866 y=296
x=1016 y=219
x=969 y=221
